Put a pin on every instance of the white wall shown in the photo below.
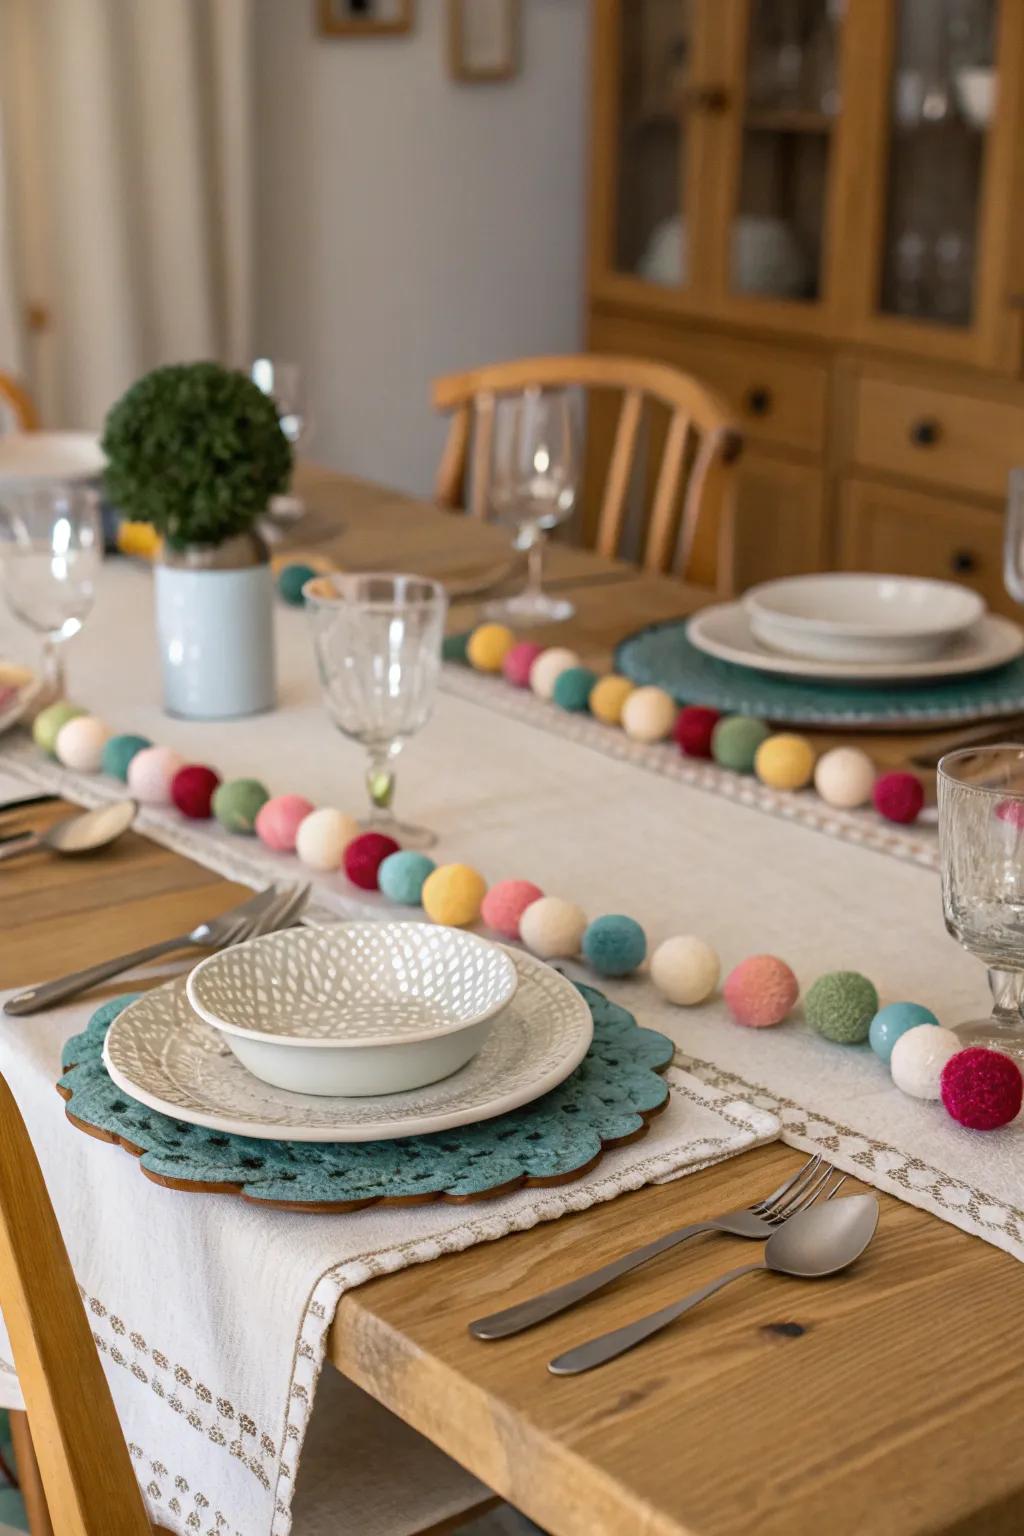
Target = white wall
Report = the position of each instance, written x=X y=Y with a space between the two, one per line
x=409 y=225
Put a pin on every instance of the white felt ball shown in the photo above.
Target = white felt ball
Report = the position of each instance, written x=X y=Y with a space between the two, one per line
x=548 y=668
x=323 y=837
x=80 y=743
x=685 y=969
x=553 y=928
x=919 y=1056
x=150 y=773
x=648 y=715
x=844 y=778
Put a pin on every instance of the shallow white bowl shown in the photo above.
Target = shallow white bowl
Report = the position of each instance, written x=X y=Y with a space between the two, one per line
x=866 y=618
x=355 y=1008
x=976 y=93
x=28 y=457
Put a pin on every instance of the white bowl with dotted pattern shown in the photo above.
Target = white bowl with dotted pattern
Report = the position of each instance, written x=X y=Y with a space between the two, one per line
x=355 y=1009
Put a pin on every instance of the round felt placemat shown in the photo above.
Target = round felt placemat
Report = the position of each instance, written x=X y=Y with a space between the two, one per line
x=608 y=1101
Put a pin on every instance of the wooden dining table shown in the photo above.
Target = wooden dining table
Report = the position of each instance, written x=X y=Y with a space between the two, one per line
x=883 y=1403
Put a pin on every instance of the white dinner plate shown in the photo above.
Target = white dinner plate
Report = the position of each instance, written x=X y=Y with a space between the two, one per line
x=724 y=631
x=29 y=456
x=161 y=1053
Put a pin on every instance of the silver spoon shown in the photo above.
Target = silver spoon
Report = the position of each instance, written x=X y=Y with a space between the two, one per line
x=817 y=1242
x=83 y=833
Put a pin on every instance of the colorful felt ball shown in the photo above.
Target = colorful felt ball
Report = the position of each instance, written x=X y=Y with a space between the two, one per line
x=982 y=1089
x=784 y=762
x=322 y=838
x=192 y=790
x=648 y=715
x=364 y=856
x=608 y=698
x=401 y=876
x=547 y=668
x=488 y=646
x=151 y=773
x=290 y=581
x=918 y=1058
x=694 y=728
x=735 y=740
x=685 y=970
x=80 y=742
x=844 y=778
x=279 y=819
x=898 y=796
x=505 y=904
x=892 y=1021
x=454 y=647
x=118 y=753
x=47 y=724
x=454 y=895
x=515 y=668
x=761 y=991
x=553 y=928
x=614 y=945
x=841 y=1005
x=237 y=804
x=573 y=688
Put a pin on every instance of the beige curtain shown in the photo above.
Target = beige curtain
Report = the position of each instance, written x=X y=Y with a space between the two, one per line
x=128 y=195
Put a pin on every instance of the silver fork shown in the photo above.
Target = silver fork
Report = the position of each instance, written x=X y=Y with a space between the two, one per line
x=757 y=1221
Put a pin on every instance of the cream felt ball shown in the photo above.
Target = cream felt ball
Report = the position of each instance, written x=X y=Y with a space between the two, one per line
x=685 y=970
x=505 y=904
x=150 y=773
x=784 y=762
x=278 y=821
x=80 y=742
x=553 y=928
x=648 y=715
x=323 y=836
x=844 y=778
x=548 y=668
x=453 y=895
x=918 y=1058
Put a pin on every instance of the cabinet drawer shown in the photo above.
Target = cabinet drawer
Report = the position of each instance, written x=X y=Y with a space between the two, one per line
x=936 y=435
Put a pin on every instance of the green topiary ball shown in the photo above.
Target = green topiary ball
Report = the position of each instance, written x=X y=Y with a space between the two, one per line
x=841 y=1005
x=291 y=581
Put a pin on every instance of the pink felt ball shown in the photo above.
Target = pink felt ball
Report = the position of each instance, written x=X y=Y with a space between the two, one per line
x=761 y=991
x=693 y=730
x=364 y=856
x=518 y=661
x=982 y=1089
x=278 y=819
x=192 y=790
x=150 y=774
x=505 y=904
x=898 y=796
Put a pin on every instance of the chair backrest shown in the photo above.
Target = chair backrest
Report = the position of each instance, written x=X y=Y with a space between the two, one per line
x=83 y=1460
x=17 y=410
x=689 y=529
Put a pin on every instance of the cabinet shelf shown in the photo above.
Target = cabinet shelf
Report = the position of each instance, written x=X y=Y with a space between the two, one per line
x=787 y=120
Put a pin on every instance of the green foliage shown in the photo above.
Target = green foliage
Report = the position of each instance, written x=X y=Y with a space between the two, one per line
x=196 y=450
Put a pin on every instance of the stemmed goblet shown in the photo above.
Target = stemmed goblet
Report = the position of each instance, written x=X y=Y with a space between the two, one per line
x=285 y=385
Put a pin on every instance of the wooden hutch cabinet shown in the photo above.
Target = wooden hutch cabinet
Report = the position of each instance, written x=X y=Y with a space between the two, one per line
x=817 y=207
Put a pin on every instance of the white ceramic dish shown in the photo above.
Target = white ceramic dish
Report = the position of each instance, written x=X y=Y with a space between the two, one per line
x=160 y=1052
x=355 y=1008
x=861 y=618
x=976 y=93
x=26 y=457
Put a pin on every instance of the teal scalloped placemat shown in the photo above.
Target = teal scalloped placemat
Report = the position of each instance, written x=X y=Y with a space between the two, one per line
x=607 y=1102
x=663 y=655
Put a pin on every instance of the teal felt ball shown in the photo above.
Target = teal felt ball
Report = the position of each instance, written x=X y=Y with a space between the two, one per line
x=841 y=1005
x=401 y=876
x=118 y=753
x=237 y=804
x=290 y=582
x=894 y=1020
x=614 y=945
x=573 y=688
x=455 y=647
x=735 y=740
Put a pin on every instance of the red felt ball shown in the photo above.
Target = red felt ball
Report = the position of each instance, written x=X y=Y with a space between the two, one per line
x=693 y=729
x=364 y=856
x=982 y=1089
x=898 y=796
x=192 y=790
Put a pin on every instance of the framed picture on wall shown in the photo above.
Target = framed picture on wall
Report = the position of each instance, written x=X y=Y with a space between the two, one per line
x=364 y=18
x=484 y=39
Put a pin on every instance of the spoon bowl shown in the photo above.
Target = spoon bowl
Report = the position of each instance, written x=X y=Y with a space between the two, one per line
x=83 y=833
x=824 y=1239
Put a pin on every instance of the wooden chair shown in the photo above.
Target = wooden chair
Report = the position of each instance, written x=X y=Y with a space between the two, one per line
x=17 y=410
x=689 y=527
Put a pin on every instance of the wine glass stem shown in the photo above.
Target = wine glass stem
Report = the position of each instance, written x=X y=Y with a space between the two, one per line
x=380 y=786
x=53 y=669
x=535 y=564
x=1007 y=988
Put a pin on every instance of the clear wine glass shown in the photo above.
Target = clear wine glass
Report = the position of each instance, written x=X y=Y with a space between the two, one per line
x=1013 y=537
x=981 y=844
x=284 y=383
x=378 y=650
x=534 y=479
x=51 y=542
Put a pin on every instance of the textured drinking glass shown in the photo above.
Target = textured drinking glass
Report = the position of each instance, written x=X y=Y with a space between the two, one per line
x=378 y=650
x=981 y=842
x=1013 y=537
x=284 y=383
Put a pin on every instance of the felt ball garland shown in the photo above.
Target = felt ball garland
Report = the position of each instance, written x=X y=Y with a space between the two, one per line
x=192 y=790
x=363 y=857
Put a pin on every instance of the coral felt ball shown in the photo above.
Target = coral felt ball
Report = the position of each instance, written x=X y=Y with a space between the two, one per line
x=693 y=730
x=608 y=698
x=841 y=1005
x=761 y=991
x=573 y=688
x=454 y=895
x=553 y=928
x=735 y=740
x=323 y=837
x=279 y=819
x=505 y=904
x=547 y=668
x=648 y=715
x=488 y=646
x=237 y=804
x=894 y=1020
x=364 y=856
x=402 y=875
x=150 y=774
x=453 y=647
x=80 y=742
x=47 y=724
x=685 y=970
x=118 y=753
x=784 y=762
x=192 y=790
x=614 y=945
x=898 y=796
x=981 y=1088
x=290 y=582
x=515 y=668
x=844 y=778
x=918 y=1058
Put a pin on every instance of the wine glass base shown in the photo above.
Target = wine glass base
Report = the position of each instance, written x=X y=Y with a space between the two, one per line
x=407 y=834
x=1006 y=1035
x=529 y=608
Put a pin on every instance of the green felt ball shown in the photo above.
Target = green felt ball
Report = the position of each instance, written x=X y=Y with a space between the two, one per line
x=401 y=876
x=237 y=803
x=573 y=688
x=841 y=1005
x=291 y=580
x=455 y=647
x=735 y=740
x=118 y=753
x=47 y=725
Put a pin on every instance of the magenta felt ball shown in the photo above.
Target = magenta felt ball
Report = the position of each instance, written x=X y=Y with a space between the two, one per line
x=278 y=819
x=693 y=730
x=150 y=773
x=505 y=904
x=192 y=790
x=898 y=796
x=364 y=856
x=761 y=991
x=982 y=1089
x=518 y=661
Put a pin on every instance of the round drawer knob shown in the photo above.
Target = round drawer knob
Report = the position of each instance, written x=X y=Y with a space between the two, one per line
x=963 y=561
x=926 y=432
x=758 y=400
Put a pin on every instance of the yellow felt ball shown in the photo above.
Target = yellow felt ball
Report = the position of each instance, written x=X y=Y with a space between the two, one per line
x=608 y=696
x=488 y=646
x=453 y=895
x=784 y=762
x=648 y=714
